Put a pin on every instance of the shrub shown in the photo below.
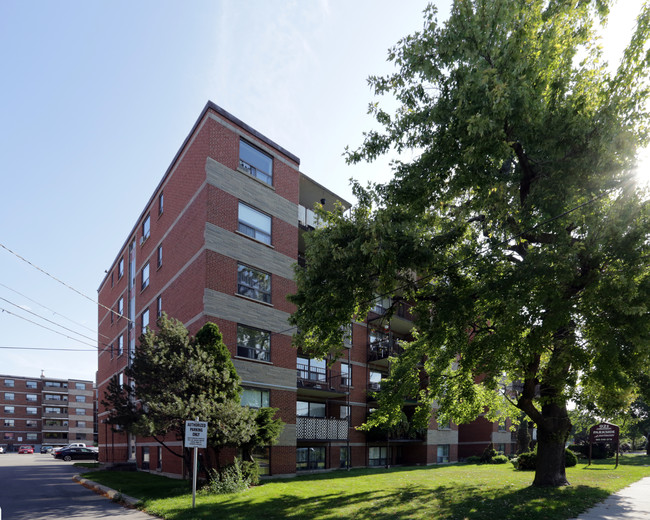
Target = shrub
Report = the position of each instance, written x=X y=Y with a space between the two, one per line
x=570 y=459
x=473 y=459
x=230 y=480
x=499 y=459
x=488 y=454
x=251 y=472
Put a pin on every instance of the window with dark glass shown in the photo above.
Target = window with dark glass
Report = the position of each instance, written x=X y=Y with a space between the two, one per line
x=253 y=283
x=145 y=276
x=159 y=307
x=443 y=453
x=253 y=343
x=161 y=201
x=378 y=456
x=159 y=256
x=255 y=398
x=254 y=223
x=346 y=374
x=146 y=228
x=120 y=268
x=309 y=409
x=10 y=423
x=255 y=162
x=312 y=457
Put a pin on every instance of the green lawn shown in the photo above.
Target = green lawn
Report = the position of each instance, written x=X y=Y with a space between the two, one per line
x=458 y=491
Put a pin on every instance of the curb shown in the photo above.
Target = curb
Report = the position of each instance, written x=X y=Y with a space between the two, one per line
x=116 y=496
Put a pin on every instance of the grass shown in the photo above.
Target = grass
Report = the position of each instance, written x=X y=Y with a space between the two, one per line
x=460 y=491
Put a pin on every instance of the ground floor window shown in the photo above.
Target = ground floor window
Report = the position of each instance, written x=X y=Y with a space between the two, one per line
x=501 y=448
x=159 y=468
x=443 y=453
x=262 y=456
x=344 y=457
x=312 y=457
x=378 y=456
x=145 y=457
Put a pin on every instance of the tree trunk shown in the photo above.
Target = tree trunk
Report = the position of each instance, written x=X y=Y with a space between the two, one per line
x=551 y=440
x=523 y=438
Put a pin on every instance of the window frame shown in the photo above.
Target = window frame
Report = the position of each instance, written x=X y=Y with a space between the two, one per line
x=259 y=353
x=146 y=228
x=264 y=397
x=252 y=230
x=144 y=281
x=120 y=345
x=159 y=306
x=161 y=202
x=120 y=268
x=32 y=385
x=159 y=257
x=255 y=170
x=250 y=291
x=144 y=320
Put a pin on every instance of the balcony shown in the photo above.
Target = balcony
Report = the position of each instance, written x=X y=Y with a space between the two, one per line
x=320 y=382
x=307 y=219
x=379 y=351
x=321 y=429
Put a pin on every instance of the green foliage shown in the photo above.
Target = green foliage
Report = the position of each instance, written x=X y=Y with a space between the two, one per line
x=528 y=461
x=473 y=459
x=250 y=472
x=488 y=454
x=231 y=479
x=498 y=459
x=517 y=223
x=177 y=378
x=570 y=459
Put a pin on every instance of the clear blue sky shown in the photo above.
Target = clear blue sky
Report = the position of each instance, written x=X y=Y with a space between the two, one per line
x=97 y=97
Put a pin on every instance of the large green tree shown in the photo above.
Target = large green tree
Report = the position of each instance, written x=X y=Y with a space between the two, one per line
x=517 y=232
x=178 y=378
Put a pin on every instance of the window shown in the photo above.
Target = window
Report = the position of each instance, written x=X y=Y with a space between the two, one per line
x=80 y=386
x=344 y=412
x=344 y=457
x=253 y=343
x=145 y=457
x=31 y=384
x=346 y=374
x=9 y=436
x=54 y=397
x=443 y=453
x=53 y=409
x=112 y=280
x=80 y=398
x=444 y=425
x=145 y=320
x=55 y=384
x=378 y=456
x=120 y=378
x=80 y=437
x=9 y=396
x=501 y=448
x=30 y=410
x=261 y=455
x=161 y=201
x=32 y=436
x=31 y=423
x=312 y=369
x=145 y=276
x=159 y=468
x=254 y=224
x=375 y=380
x=310 y=458
x=159 y=307
x=9 y=382
x=10 y=423
x=120 y=268
x=159 y=257
x=255 y=162
x=255 y=398
x=308 y=409
x=80 y=411
x=81 y=424
x=9 y=409
x=502 y=426
x=146 y=228
x=32 y=398
x=120 y=345
x=253 y=283
x=120 y=307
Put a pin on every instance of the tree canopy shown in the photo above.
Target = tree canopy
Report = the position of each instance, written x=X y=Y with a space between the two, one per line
x=178 y=378
x=516 y=234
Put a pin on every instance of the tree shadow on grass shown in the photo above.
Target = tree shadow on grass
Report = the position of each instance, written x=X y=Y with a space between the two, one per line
x=458 y=501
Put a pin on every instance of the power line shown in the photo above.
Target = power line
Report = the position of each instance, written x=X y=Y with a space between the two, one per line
x=46 y=328
x=50 y=349
x=61 y=282
x=51 y=310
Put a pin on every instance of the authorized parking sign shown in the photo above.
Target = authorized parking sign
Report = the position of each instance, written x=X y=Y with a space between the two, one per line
x=196 y=434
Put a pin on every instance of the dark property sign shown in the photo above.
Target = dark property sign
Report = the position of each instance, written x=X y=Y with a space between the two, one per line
x=604 y=432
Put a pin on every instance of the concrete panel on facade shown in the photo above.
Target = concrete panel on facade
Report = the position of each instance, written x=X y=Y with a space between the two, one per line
x=288 y=436
x=240 y=310
x=265 y=375
x=501 y=437
x=442 y=436
x=248 y=251
x=239 y=185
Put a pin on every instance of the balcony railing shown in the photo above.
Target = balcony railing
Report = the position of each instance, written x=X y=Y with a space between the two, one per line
x=382 y=349
x=321 y=378
x=321 y=428
x=253 y=353
x=307 y=218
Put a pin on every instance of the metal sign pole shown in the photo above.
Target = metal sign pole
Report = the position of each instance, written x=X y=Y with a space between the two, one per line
x=196 y=459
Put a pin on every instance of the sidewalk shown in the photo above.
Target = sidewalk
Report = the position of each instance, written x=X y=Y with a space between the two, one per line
x=630 y=503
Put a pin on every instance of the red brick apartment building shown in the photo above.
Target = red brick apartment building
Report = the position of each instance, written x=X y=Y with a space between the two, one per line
x=217 y=242
x=45 y=411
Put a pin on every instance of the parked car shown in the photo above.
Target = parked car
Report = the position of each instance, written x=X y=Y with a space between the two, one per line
x=2 y=450
x=77 y=454
x=46 y=449
x=71 y=445
x=26 y=449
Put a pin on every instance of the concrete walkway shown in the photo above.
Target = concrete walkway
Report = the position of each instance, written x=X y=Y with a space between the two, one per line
x=630 y=503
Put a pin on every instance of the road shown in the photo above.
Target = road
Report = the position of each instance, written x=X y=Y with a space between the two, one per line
x=39 y=487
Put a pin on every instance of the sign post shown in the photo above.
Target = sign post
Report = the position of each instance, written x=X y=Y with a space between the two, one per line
x=196 y=436
x=604 y=432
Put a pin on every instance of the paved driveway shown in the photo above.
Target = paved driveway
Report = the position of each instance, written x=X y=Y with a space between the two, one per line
x=41 y=487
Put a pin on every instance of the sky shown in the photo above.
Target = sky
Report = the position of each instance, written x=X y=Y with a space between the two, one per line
x=97 y=97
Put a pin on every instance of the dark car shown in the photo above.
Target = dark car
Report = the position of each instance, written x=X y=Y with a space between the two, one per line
x=46 y=449
x=77 y=454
